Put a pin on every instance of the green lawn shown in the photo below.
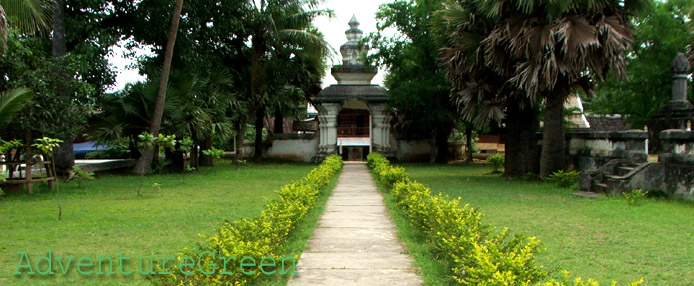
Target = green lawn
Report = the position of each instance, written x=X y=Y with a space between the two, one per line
x=602 y=238
x=107 y=217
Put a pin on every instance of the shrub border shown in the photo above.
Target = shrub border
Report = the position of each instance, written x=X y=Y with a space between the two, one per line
x=476 y=252
x=264 y=236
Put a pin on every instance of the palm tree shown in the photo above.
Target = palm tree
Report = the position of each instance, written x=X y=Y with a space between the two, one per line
x=145 y=161
x=542 y=50
x=12 y=102
x=26 y=15
x=278 y=27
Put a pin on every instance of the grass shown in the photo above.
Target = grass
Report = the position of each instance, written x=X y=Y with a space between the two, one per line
x=107 y=217
x=604 y=238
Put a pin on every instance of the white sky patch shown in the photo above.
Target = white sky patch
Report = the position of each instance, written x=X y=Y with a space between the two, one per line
x=333 y=30
x=125 y=73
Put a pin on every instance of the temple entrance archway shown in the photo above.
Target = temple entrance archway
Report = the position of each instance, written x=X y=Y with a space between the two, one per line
x=354 y=128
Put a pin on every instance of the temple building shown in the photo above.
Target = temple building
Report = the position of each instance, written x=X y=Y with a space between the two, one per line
x=353 y=118
x=352 y=114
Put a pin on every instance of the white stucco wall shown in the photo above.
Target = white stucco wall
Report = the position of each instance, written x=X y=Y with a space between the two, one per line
x=300 y=150
x=413 y=150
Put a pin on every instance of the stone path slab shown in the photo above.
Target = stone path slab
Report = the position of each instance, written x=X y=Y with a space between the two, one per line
x=355 y=242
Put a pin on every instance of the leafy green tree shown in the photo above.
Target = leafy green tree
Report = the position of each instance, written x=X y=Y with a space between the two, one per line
x=542 y=50
x=418 y=89
x=658 y=37
x=197 y=106
x=28 y=63
x=277 y=28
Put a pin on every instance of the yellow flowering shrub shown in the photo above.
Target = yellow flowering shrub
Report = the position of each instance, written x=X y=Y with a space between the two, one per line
x=477 y=253
x=260 y=238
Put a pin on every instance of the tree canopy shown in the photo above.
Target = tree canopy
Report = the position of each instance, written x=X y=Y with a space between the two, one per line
x=417 y=85
x=658 y=37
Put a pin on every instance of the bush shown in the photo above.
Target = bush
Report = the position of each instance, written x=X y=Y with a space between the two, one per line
x=563 y=179
x=391 y=175
x=257 y=238
x=634 y=197
x=497 y=161
x=79 y=175
x=477 y=254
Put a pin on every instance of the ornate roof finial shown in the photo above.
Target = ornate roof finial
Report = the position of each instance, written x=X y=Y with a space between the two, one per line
x=680 y=65
x=350 y=50
x=353 y=23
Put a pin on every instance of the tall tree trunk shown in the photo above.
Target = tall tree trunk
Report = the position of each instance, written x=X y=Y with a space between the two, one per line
x=241 y=137
x=206 y=145
x=194 y=155
x=553 y=141
x=442 y=144
x=521 y=139
x=64 y=156
x=279 y=121
x=144 y=163
x=468 y=145
x=432 y=146
x=259 y=120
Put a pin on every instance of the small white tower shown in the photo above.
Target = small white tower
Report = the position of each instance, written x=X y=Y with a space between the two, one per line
x=350 y=50
x=353 y=70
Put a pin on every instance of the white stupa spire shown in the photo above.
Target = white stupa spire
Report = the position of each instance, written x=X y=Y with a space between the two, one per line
x=350 y=50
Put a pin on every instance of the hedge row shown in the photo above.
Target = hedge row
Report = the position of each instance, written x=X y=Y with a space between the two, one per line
x=260 y=239
x=477 y=253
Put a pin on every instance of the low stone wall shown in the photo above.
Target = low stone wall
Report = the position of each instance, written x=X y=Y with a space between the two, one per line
x=678 y=162
x=413 y=150
x=291 y=147
x=590 y=150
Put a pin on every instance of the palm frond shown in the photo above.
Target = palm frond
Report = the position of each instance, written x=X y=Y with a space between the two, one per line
x=28 y=16
x=11 y=102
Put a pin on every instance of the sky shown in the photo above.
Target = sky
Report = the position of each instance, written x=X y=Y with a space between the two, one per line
x=333 y=30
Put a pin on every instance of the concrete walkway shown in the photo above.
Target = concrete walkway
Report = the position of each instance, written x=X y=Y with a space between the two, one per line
x=355 y=241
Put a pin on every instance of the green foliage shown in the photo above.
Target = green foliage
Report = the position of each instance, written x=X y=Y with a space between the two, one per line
x=261 y=237
x=147 y=140
x=2 y=179
x=47 y=145
x=29 y=63
x=658 y=36
x=11 y=102
x=417 y=85
x=11 y=145
x=563 y=179
x=635 y=196
x=80 y=175
x=115 y=150
x=475 y=252
x=391 y=175
x=497 y=161
x=214 y=153
x=185 y=145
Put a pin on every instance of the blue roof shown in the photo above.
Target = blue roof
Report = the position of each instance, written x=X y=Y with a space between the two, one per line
x=87 y=147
